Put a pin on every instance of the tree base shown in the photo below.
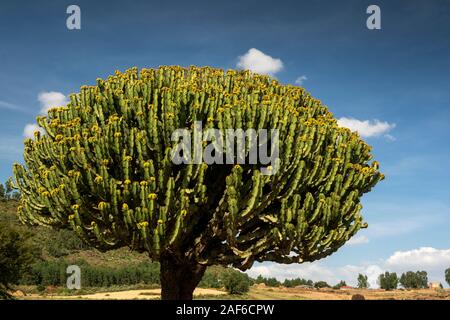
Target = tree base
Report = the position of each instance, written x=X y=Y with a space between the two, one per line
x=179 y=279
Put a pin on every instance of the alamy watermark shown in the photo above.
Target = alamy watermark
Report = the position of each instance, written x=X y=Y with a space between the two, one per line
x=73 y=21
x=236 y=146
x=74 y=278
x=374 y=20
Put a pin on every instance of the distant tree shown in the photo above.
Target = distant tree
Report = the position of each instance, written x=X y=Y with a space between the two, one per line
x=388 y=280
x=260 y=279
x=422 y=279
x=270 y=282
x=289 y=283
x=363 y=282
x=11 y=193
x=406 y=279
x=321 y=284
x=2 y=193
x=447 y=276
x=9 y=186
x=7 y=191
x=15 y=195
x=273 y=282
x=414 y=280
x=16 y=257
x=340 y=285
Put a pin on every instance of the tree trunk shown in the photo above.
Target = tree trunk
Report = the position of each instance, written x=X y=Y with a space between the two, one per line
x=179 y=279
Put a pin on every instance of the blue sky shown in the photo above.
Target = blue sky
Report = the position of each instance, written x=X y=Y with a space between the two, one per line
x=396 y=78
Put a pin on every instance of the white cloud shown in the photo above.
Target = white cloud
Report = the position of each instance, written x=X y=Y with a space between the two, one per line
x=367 y=128
x=373 y=272
x=259 y=62
x=30 y=129
x=422 y=258
x=357 y=240
x=317 y=271
x=7 y=105
x=47 y=100
x=390 y=137
x=51 y=99
x=299 y=81
x=417 y=218
x=11 y=106
x=314 y=271
x=432 y=260
x=349 y=273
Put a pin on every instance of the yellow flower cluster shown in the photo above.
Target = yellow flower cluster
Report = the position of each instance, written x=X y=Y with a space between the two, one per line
x=142 y=225
x=102 y=205
x=98 y=179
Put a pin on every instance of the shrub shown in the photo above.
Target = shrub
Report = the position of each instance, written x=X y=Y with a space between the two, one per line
x=40 y=288
x=321 y=284
x=63 y=242
x=16 y=256
x=212 y=278
x=236 y=282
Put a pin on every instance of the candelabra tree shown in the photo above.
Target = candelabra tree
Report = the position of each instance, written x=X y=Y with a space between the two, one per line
x=103 y=167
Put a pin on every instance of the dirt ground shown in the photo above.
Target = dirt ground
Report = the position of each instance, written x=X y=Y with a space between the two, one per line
x=261 y=292
x=124 y=295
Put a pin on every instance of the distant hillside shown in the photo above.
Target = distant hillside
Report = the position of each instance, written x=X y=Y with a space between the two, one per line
x=57 y=244
x=59 y=248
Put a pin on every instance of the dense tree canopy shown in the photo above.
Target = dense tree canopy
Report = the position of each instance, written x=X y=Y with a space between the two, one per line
x=363 y=282
x=447 y=276
x=388 y=280
x=414 y=280
x=104 y=168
